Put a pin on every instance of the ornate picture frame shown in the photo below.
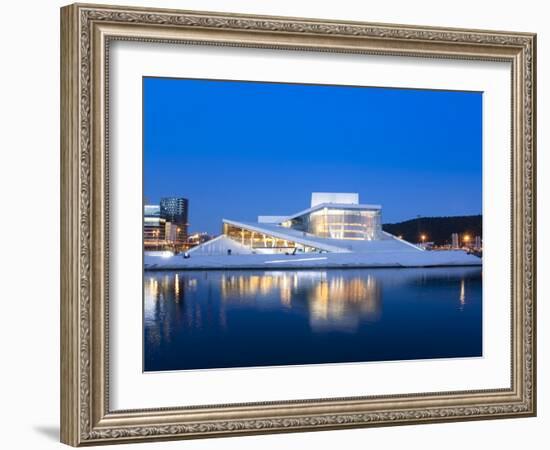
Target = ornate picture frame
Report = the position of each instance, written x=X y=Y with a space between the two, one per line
x=86 y=34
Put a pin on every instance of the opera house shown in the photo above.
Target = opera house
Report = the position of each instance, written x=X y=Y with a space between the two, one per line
x=335 y=231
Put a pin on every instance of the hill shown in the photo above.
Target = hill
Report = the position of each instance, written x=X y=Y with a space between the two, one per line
x=436 y=229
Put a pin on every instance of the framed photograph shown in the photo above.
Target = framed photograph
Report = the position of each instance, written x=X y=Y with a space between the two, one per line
x=275 y=224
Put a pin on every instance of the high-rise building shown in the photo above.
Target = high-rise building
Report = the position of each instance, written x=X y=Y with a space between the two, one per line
x=154 y=228
x=176 y=210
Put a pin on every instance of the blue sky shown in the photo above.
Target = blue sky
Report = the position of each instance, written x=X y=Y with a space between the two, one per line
x=241 y=149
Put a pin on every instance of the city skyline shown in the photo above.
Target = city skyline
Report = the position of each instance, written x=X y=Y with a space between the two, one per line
x=244 y=148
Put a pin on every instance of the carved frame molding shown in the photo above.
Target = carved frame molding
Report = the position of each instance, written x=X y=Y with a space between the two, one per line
x=86 y=32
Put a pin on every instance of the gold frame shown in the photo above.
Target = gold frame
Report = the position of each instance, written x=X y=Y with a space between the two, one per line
x=86 y=31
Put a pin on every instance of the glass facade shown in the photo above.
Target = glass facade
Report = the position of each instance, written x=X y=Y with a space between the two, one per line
x=154 y=233
x=262 y=241
x=339 y=223
x=176 y=210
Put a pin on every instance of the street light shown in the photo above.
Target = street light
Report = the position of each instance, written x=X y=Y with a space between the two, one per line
x=466 y=239
x=423 y=238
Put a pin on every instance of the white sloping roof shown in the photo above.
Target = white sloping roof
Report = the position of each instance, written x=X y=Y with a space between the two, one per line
x=333 y=206
x=387 y=242
x=219 y=246
x=290 y=235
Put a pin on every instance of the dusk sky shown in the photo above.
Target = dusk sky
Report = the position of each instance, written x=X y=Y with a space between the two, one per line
x=237 y=150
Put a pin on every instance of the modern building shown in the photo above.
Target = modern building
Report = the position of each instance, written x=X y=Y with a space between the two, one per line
x=335 y=231
x=176 y=211
x=171 y=233
x=334 y=222
x=330 y=218
x=154 y=228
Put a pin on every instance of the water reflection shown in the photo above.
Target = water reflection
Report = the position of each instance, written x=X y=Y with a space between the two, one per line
x=339 y=303
x=333 y=302
x=199 y=310
x=462 y=296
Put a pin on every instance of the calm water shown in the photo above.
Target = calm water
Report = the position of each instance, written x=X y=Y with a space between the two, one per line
x=209 y=319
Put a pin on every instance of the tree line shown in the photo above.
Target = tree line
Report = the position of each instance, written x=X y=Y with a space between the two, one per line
x=436 y=229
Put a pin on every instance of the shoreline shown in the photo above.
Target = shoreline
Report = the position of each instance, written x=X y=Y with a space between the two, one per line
x=303 y=267
x=365 y=260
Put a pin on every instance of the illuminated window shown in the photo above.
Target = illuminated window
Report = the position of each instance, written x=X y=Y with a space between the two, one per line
x=342 y=223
